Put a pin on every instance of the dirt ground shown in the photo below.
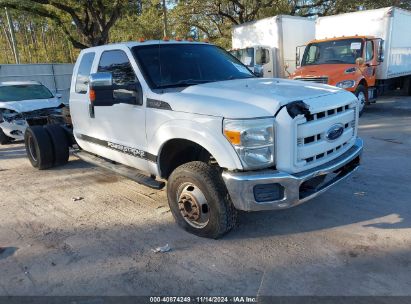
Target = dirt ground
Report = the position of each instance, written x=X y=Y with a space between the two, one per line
x=353 y=240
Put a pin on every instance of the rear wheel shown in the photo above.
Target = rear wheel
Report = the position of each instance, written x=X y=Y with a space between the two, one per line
x=199 y=200
x=39 y=147
x=60 y=144
x=361 y=94
x=4 y=139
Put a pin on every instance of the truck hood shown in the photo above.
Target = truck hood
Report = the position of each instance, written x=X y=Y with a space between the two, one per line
x=247 y=98
x=334 y=72
x=30 y=105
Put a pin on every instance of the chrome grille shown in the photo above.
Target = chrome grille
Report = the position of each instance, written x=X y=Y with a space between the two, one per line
x=312 y=145
x=314 y=79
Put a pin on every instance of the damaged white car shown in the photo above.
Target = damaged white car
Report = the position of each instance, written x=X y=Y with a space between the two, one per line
x=23 y=104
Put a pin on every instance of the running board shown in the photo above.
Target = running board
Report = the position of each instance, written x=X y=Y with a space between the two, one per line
x=120 y=169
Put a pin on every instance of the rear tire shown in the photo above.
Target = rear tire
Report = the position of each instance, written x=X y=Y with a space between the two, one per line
x=60 y=144
x=39 y=147
x=4 y=139
x=199 y=200
x=361 y=94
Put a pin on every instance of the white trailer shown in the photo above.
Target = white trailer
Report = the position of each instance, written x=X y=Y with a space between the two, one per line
x=391 y=24
x=268 y=46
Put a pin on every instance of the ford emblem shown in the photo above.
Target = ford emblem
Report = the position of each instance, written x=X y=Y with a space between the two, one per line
x=334 y=132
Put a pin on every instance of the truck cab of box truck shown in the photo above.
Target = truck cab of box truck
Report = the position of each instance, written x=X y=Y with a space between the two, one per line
x=267 y=46
x=345 y=62
x=259 y=59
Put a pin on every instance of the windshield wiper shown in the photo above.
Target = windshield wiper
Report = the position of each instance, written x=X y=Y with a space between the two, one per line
x=335 y=60
x=183 y=83
x=232 y=77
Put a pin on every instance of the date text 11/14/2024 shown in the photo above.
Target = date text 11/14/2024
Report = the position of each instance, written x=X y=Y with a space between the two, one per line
x=214 y=299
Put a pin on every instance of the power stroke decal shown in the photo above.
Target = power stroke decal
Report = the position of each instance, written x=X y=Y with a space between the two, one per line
x=120 y=148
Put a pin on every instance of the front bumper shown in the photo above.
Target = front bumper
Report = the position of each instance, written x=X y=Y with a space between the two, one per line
x=295 y=188
x=13 y=130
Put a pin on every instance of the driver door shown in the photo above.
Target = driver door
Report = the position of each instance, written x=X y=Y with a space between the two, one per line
x=370 y=62
x=117 y=121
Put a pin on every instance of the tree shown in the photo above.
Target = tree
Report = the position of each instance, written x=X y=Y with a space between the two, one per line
x=145 y=22
x=38 y=40
x=85 y=22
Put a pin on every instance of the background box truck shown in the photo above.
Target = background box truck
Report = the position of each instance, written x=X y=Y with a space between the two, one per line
x=365 y=52
x=267 y=46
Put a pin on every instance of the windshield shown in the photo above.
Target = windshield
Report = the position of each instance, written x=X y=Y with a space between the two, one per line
x=332 y=52
x=178 y=65
x=246 y=56
x=24 y=92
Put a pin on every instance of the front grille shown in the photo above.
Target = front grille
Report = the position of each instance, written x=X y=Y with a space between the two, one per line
x=314 y=79
x=312 y=144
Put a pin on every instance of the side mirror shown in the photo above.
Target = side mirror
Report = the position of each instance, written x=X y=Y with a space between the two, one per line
x=107 y=93
x=359 y=61
x=59 y=96
x=101 y=80
x=381 y=51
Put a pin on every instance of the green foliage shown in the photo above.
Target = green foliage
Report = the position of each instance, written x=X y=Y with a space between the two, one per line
x=54 y=30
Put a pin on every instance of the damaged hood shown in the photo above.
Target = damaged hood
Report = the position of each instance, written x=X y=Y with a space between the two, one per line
x=247 y=98
x=30 y=105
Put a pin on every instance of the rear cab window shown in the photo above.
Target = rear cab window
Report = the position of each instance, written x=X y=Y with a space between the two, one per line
x=83 y=73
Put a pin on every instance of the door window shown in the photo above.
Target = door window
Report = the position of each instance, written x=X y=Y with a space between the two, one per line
x=83 y=73
x=117 y=63
x=262 y=56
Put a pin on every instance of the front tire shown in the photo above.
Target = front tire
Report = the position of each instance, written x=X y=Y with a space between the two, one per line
x=361 y=94
x=199 y=200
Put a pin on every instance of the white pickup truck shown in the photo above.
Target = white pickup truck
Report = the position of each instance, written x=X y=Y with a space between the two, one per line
x=192 y=115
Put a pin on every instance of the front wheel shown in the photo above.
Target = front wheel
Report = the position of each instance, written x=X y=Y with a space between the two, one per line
x=199 y=200
x=361 y=94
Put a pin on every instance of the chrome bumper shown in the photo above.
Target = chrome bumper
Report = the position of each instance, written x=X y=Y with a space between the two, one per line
x=241 y=185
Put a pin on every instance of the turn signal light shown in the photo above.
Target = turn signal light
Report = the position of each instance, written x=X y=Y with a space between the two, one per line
x=92 y=95
x=234 y=137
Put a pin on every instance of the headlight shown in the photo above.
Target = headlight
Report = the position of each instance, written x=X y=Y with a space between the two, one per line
x=253 y=140
x=346 y=84
x=19 y=122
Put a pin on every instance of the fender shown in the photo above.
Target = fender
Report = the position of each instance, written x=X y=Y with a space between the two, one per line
x=203 y=130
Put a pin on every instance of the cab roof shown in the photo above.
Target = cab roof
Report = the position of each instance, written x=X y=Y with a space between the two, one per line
x=342 y=38
x=131 y=44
